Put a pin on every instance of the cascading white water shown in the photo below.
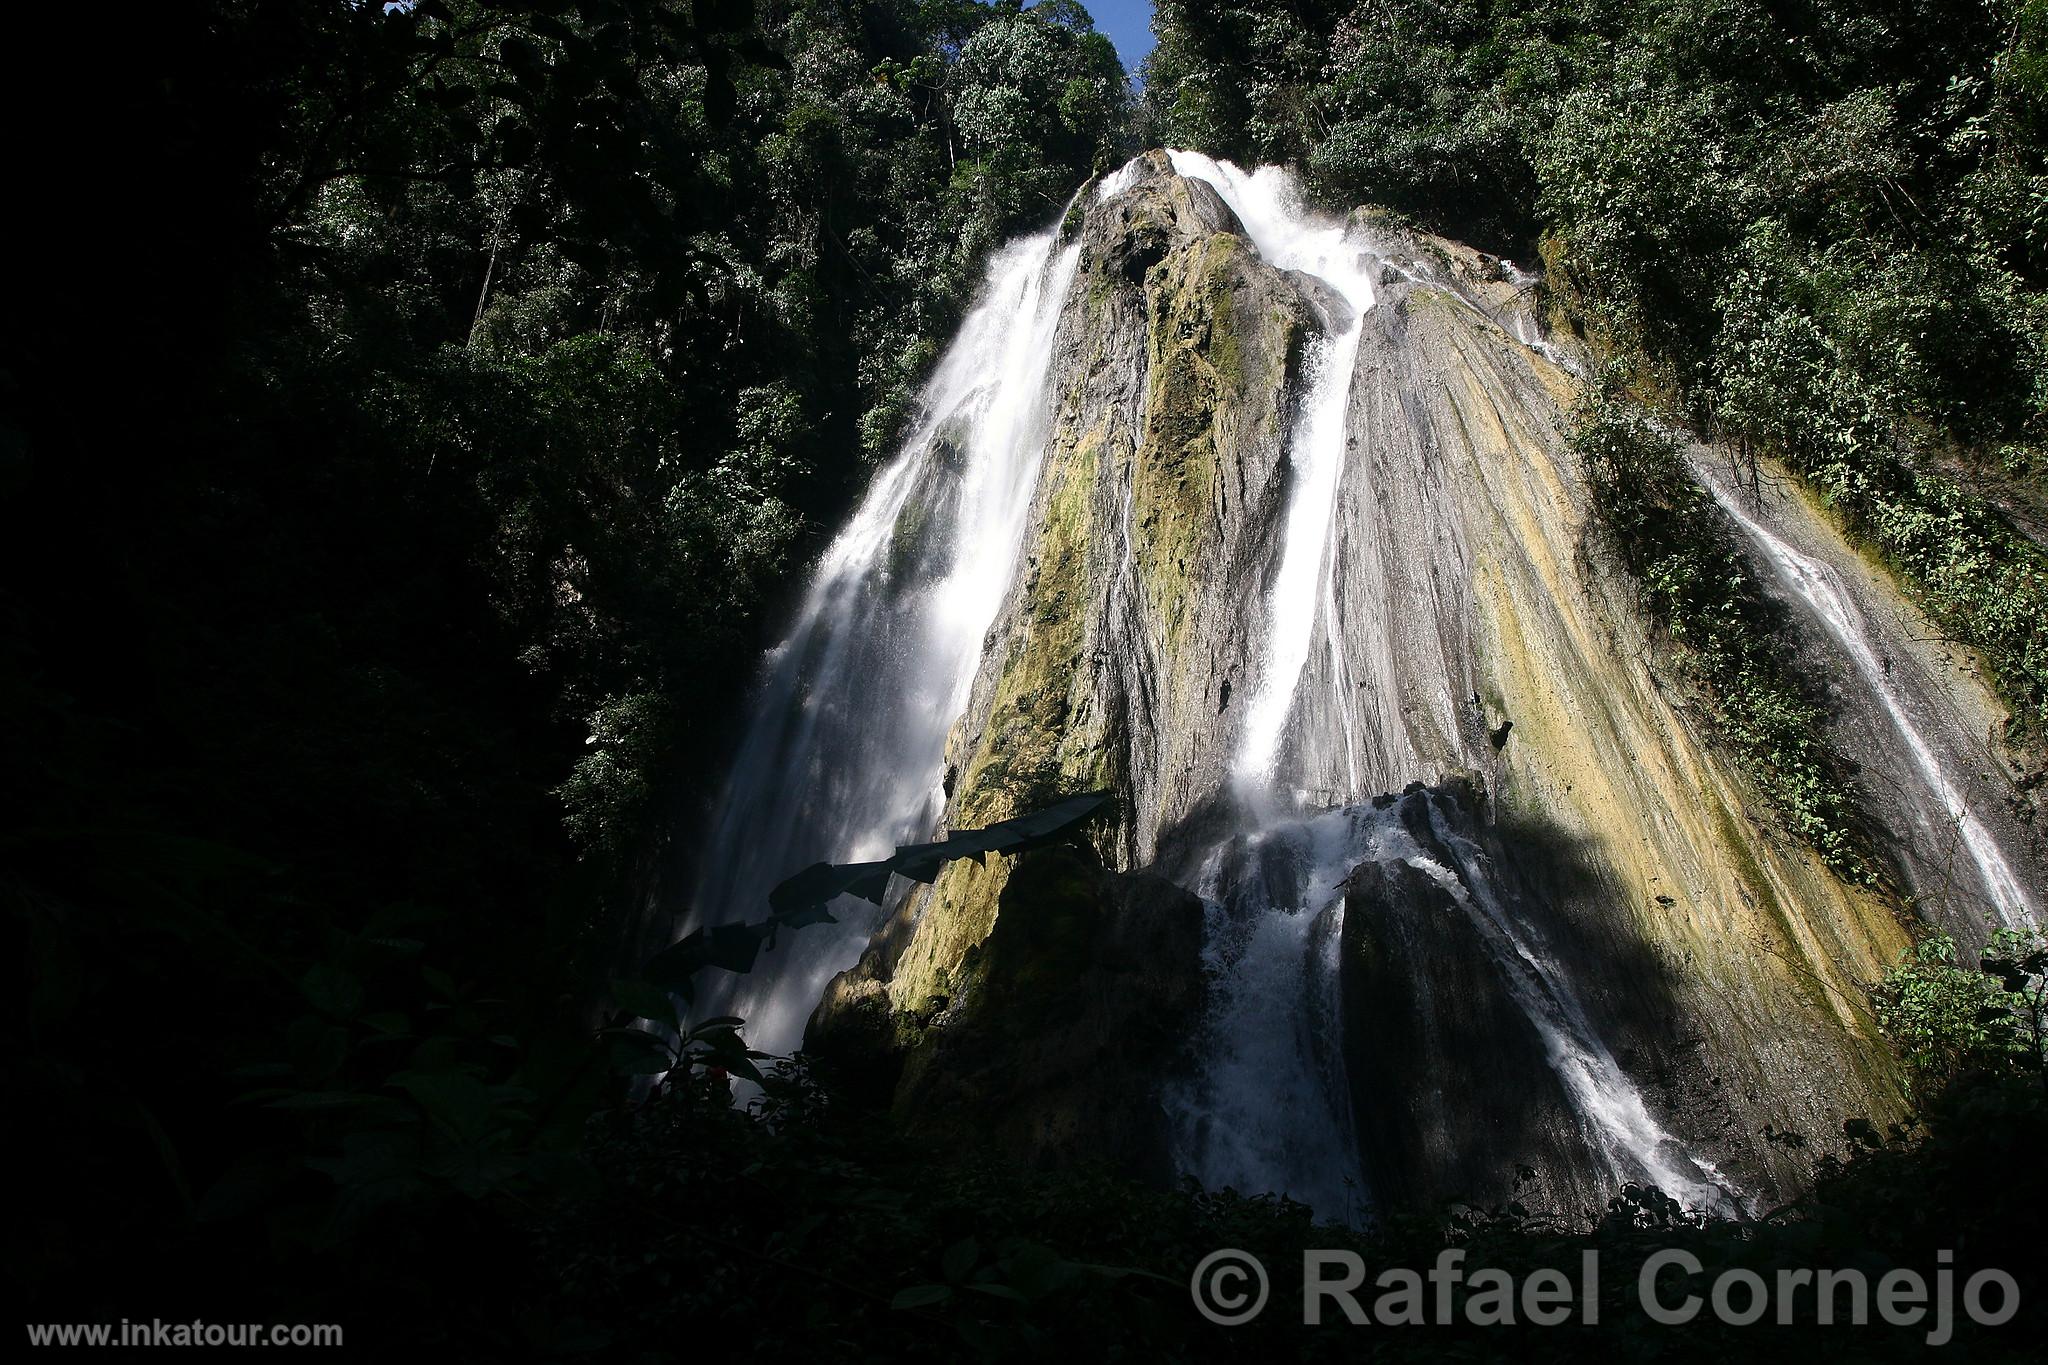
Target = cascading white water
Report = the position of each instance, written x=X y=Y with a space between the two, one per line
x=842 y=756
x=1635 y=1146
x=1267 y=203
x=1269 y=1108
x=1819 y=591
x=1270 y=1105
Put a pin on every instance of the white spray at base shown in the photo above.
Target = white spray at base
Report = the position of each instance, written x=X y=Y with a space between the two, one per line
x=1820 y=592
x=842 y=758
x=1268 y=1108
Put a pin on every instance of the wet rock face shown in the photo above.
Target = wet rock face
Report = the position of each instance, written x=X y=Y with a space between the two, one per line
x=1137 y=601
x=1479 y=640
x=1451 y=1092
x=1066 y=1021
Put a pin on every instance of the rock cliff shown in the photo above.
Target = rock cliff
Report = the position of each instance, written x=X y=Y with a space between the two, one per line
x=1473 y=640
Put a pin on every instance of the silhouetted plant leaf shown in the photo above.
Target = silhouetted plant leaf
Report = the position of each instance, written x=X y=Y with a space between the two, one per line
x=760 y=54
x=636 y=1053
x=921 y=1296
x=960 y=1258
x=646 y=1000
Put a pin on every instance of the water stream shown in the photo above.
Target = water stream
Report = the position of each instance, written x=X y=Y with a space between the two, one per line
x=1360 y=667
x=1818 y=592
x=1270 y=1105
x=843 y=754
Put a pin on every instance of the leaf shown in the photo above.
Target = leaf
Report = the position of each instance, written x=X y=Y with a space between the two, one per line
x=986 y=1340
x=516 y=145
x=375 y=1166
x=317 y=1100
x=820 y=882
x=636 y=1053
x=760 y=54
x=524 y=58
x=921 y=1296
x=960 y=1258
x=794 y=1239
x=673 y=966
x=331 y=990
x=733 y=946
x=246 y=1187
x=799 y=900
x=999 y=1291
x=462 y=1105
x=1036 y=1270
x=645 y=1000
x=720 y=99
x=730 y=1054
x=548 y=27
x=2008 y=973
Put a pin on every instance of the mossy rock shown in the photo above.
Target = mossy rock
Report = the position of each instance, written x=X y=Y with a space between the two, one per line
x=1067 y=1019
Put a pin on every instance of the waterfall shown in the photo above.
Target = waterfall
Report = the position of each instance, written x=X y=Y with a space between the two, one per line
x=1357 y=621
x=1269 y=1108
x=1302 y=595
x=1818 y=592
x=842 y=754
x=1634 y=1145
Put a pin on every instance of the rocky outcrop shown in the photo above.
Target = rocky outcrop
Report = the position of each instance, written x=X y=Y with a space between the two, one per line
x=1691 y=918
x=1479 y=639
x=1053 y=1038
x=1072 y=1020
x=1447 y=1073
x=1135 y=610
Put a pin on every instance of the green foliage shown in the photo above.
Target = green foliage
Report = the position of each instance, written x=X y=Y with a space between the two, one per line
x=801 y=1221
x=477 y=378
x=1788 y=379
x=1038 y=104
x=610 y=785
x=418 y=410
x=1949 y=1020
